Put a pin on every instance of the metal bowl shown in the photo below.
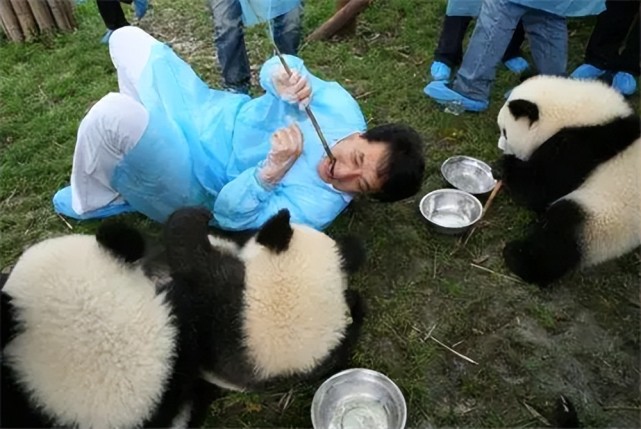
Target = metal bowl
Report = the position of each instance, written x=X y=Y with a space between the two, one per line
x=358 y=399
x=451 y=211
x=468 y=174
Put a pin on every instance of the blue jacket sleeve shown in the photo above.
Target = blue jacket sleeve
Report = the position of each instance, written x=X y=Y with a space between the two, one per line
x=245 y=203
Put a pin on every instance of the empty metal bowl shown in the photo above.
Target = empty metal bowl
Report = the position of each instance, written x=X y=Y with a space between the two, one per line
x=358 y=399
x=468 y=174
x=451 y=211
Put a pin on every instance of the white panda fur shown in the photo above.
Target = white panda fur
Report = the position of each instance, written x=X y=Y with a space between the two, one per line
x=284 y=303
x=572 y=151
x=90 y=340
x=568 y=103
x=294 y=300
x=89 y=320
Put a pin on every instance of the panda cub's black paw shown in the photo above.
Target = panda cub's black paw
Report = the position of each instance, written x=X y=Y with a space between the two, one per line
x=518 y=257
x=123 y=241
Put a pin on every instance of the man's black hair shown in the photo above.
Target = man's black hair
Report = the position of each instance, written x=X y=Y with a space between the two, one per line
x=403 y=170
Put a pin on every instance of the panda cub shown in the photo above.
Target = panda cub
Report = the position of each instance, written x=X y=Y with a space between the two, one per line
x=89 y=340
x=572 y=153
x=283 y=309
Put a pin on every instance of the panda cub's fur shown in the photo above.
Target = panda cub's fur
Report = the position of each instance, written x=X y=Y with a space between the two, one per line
x=283 y=308
x=88 y=340
x=572 y=153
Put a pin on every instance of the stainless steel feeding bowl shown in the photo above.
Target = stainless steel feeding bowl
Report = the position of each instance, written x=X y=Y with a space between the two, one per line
x=468 y=174
x=451 y=211
x=358 y=399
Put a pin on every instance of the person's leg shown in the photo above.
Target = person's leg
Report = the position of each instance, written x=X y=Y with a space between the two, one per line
x=625 y=80
x=494 y=29
x=112 y=14
x=111 y=128
x=130 y=48
x=450 y=43
x=512 y=58
x=287 y=30
x=449 y=51
x=609 y=33
x=229 y=38
x=548 y=36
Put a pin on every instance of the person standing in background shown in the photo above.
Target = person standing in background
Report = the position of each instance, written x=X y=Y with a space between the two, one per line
x=449 y=51
x=114 y=17
x=614 y=47
x=230 y=16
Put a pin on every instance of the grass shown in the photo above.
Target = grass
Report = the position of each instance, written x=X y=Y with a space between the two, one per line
x=579 y=338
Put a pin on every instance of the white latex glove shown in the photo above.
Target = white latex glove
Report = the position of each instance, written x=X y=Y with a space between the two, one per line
x=287 y=145
x=294 y=88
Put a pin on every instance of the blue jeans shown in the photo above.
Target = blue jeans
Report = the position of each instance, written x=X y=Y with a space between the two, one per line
x=229 y=38
x=497 y=21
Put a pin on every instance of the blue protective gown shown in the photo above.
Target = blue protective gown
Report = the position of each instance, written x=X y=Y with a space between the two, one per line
x=202 y=147
x=569 y=8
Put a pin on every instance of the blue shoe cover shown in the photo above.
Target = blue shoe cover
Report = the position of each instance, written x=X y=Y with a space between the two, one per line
x=625 y=83
x=140 y=8
x=440 y=71
x=62 y=205
x=442 y=94
x=517 y=65
x=587 y=71
x=105 y=38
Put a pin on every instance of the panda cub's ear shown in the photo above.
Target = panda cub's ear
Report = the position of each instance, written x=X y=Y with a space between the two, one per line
x=524 y=108
x=277 y=232
x=123 y=241
x=352 y=251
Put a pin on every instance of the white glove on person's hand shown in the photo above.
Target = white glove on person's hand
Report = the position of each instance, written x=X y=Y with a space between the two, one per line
x=287 y=145
x=292 y=89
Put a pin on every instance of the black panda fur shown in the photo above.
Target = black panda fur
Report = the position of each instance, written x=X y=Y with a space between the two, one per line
x=223 y=266
x=566 y=141
x=184 y=399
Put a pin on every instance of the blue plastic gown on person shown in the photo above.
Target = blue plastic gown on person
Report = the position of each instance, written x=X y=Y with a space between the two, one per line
x=255 y=11
x=463 y=7
x=202 y=147
x=569 y=8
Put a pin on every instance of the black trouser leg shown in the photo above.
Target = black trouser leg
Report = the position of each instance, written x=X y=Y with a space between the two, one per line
x=513 y=50
x=629 y=58
x=611 y=28
x=450 y=43
x=112 y=14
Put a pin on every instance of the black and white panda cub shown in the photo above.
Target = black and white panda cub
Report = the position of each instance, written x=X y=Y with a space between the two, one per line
x=572 y=153
x=97 y=332
x=90 y=341
x=283 y=308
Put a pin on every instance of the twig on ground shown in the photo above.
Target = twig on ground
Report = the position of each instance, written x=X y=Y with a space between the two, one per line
x=365 y=94
x=514 y=279
x=429 y=336
x=621 y=408
x=462 y=356
x=65 y=221
x=537 y=415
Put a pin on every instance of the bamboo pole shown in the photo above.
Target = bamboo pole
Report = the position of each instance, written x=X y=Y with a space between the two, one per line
x=42 y=15
x=339 y=20
x=10 y=22
x=349 y=28
x=25 y=18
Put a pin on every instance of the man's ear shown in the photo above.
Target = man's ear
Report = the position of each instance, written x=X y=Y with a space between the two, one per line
x=277 y=232
x=524 y=108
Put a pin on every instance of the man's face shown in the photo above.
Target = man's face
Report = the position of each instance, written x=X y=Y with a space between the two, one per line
x=358 y=163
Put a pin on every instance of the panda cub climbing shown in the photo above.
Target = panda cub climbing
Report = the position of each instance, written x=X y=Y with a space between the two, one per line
x=572 y=153
x=283 y=307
